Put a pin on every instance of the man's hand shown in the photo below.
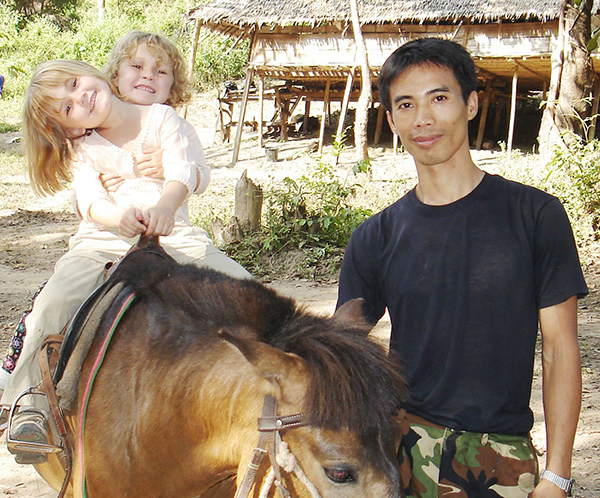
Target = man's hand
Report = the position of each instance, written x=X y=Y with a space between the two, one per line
x=132 y=223
x=149 y=164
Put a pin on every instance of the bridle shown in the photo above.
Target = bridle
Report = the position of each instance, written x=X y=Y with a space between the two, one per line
x=269 y=442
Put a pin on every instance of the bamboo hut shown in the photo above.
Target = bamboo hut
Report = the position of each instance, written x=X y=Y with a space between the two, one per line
x=310 y=46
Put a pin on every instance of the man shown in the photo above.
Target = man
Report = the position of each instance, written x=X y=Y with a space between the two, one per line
x=466 y=264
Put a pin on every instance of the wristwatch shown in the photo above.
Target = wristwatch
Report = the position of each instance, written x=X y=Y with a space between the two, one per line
x=561 y=482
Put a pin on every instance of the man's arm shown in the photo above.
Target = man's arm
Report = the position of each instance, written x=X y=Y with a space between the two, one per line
x=561 y=364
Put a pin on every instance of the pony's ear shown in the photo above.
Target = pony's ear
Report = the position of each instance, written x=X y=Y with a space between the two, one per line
x=271 y=362
x=351 y=313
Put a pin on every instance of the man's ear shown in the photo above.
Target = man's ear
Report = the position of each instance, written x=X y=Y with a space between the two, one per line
x=472 y=105
x=74 y=133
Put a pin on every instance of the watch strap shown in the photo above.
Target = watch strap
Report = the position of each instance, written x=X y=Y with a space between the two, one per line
x=564 y=484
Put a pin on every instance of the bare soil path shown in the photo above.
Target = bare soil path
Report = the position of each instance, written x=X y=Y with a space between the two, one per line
x=33 y=239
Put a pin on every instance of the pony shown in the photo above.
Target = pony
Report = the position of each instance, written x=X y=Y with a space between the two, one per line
x=205 y=374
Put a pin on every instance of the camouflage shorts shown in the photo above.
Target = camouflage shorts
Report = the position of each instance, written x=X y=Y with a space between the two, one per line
x=436 y=461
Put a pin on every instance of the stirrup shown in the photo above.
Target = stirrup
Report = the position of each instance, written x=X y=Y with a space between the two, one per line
x=17 y=446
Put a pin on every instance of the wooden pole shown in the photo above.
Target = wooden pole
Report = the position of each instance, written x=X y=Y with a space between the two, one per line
x=379 y=126
x=324 y=116
x=498 y=118
x=362 y=106
x=484 y=113
x=345 y=102
x=240 y=124
x=195 y=38
x=513 y=112
x=306 y=115
x=261 y=100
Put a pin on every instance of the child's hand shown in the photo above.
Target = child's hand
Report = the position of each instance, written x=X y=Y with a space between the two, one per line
x=111 y=181
x=132 y=223
x=159 y=220
x=149 y=164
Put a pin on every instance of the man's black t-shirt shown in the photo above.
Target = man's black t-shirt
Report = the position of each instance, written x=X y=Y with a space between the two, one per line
x=463 y=284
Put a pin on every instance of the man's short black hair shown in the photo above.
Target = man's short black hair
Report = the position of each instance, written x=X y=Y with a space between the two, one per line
x=424 y=51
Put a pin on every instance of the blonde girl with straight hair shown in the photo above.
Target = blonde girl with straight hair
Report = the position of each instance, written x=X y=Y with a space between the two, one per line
x=75 y=129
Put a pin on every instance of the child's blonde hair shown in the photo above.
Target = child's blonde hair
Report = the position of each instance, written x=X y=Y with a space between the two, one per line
x=48 y=146
x=126 y=47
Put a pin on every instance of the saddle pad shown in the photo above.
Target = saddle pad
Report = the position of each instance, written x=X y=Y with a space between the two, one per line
x=132 y=270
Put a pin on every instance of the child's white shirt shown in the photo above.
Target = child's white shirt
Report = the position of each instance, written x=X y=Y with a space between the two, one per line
x=163 y=129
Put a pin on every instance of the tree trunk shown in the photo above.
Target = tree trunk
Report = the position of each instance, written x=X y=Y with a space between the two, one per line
x=362 y=106
x=248 y=202
x=101 y=9
x=570 y=83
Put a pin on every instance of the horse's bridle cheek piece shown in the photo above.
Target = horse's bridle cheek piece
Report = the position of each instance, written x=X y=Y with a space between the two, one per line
x=269 y=426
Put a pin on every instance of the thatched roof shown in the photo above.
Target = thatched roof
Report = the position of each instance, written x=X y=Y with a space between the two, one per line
x=243 y=13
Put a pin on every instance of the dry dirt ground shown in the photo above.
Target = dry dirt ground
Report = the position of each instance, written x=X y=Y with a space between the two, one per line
x=33 y=238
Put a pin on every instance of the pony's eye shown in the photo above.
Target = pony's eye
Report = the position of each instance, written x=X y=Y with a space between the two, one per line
x=340 y=476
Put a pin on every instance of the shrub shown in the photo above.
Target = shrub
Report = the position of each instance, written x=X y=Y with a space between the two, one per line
x=310 y=217
x=573 y=174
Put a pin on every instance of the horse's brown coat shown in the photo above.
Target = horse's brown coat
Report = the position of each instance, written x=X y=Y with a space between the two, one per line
x=175 y=406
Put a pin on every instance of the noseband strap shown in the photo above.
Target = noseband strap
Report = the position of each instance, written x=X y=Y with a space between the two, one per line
x=269 y=425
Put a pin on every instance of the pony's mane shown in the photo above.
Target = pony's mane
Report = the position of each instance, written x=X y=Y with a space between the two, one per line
x=354 y=383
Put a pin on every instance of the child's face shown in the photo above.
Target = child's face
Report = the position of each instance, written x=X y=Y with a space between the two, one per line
x=141 y=80
x=84 y=102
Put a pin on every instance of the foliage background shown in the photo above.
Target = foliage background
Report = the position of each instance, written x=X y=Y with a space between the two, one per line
x=71 y=29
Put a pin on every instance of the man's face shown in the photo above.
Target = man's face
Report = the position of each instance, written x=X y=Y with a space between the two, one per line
x=429 y=114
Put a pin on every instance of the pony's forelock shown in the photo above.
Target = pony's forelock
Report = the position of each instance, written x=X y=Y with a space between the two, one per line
x=354 y=383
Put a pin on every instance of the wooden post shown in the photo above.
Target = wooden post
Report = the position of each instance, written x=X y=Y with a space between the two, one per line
x=240 y=125
x=513 y=112
x=195 y=38
x=306 y=115
x=261 y=99
x=248 y=202
x=379 y=126
x=324 y=116
x=362 y=106
x=544 y=90
x=484 y=112
x=345 y=102
x=498 y=118
x=284 y=113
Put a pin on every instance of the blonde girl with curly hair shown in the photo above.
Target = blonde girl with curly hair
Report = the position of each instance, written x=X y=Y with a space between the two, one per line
x=147 y=68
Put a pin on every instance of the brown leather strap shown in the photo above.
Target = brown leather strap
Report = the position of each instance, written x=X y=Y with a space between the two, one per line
x=51 y=346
